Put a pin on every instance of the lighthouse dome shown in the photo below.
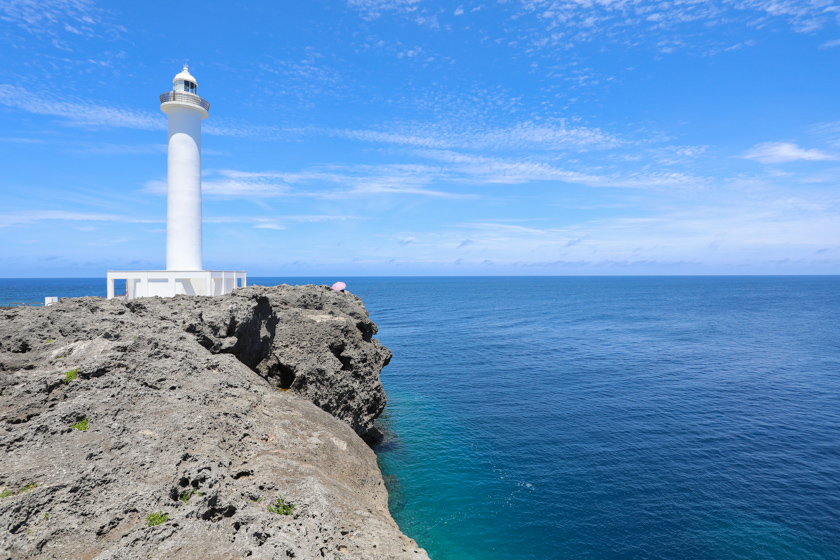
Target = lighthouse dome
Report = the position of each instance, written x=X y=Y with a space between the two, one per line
x=184 y=81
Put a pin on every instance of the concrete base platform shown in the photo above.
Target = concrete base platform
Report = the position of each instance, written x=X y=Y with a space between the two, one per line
x=169 y=283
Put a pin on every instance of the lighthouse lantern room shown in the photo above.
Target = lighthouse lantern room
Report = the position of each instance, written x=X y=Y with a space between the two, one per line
x=184 y=272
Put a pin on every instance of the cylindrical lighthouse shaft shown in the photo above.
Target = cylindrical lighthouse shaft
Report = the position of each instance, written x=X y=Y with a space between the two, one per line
x=183 y=212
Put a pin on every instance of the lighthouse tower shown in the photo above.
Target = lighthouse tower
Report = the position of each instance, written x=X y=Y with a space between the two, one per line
x=185 y=110
x=184 y=272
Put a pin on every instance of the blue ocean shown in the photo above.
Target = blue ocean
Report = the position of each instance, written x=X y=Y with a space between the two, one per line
x=603 y=417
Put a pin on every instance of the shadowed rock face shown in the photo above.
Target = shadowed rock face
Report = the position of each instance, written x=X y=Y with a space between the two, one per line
x=310 y=340
x=185 y=417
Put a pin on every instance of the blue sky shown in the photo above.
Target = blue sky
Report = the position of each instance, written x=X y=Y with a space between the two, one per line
x=401 y=137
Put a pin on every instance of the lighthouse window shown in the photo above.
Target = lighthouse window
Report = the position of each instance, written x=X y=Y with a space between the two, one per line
x=189 y=87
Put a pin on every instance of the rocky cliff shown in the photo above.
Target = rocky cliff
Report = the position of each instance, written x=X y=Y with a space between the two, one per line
x=187 y=427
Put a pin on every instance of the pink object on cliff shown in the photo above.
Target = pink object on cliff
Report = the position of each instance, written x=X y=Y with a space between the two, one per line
x=339 y=286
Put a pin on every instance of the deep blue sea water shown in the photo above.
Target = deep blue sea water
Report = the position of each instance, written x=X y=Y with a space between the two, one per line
x=632 y=417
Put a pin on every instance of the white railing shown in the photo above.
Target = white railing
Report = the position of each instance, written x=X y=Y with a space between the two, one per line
x=186 y=98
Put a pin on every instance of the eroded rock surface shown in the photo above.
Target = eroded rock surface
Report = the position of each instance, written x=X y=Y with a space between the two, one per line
x=185 y=417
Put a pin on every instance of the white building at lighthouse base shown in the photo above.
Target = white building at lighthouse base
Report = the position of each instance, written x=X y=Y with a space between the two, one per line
x=169 y=283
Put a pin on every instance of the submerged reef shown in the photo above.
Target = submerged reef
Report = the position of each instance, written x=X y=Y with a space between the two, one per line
x=194 y=428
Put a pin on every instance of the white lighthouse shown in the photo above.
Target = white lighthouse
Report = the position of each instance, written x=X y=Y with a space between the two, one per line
x=186 y=110
x=184 y=272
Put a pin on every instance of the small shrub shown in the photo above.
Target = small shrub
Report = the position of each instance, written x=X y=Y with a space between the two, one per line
x=71 y=375
x=7 y=493
x=281 y=507
x=187 y=494
x=46 y=516
x=156 y=518
x=48 y=341
x=82 y=425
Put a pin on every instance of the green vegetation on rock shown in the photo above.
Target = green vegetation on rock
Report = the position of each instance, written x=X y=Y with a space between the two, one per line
x=187 y=494
x=71 y=375
x=6 y=493
x=82 y=425
x=281 y=507
x=156 y=518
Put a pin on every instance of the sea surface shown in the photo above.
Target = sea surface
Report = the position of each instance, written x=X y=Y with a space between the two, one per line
x=603 y=418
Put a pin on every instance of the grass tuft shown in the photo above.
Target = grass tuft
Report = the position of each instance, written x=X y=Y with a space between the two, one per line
x=156 y=518
x=71 y=375
x=281 y=507
x=22 y=490
x=82 y=425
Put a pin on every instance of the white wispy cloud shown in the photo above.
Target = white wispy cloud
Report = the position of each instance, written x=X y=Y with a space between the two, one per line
x=483 y=169
x=452 y=175
x=328 y=182
x=554 y=136
x=454 y=172
x=232 y=184
x=155 y=186
x=310 y=70
x=256 y=186
x=79 y=17
x=566 y=22
x=374 y=8
x=507 y=228
x=29 y=217
x=303 y=74
x=258 y=222
x=677 y=155
x=279 y=222
x=121 y=149
x=804 y=15
x=16 y=140
x=784 y=152
x=238 y=129
x=707 y=232
x=77 y=112
x=81 y=113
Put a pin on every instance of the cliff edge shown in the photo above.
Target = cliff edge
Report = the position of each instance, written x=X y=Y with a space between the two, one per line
x=185 y=427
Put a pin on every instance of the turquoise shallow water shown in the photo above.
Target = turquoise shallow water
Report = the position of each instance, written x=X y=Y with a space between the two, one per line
x=606 y=417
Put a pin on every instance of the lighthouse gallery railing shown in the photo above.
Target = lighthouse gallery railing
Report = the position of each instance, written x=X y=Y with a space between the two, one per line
x=185 y=97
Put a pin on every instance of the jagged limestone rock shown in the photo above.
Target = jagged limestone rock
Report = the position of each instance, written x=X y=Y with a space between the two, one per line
x=185 y=417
